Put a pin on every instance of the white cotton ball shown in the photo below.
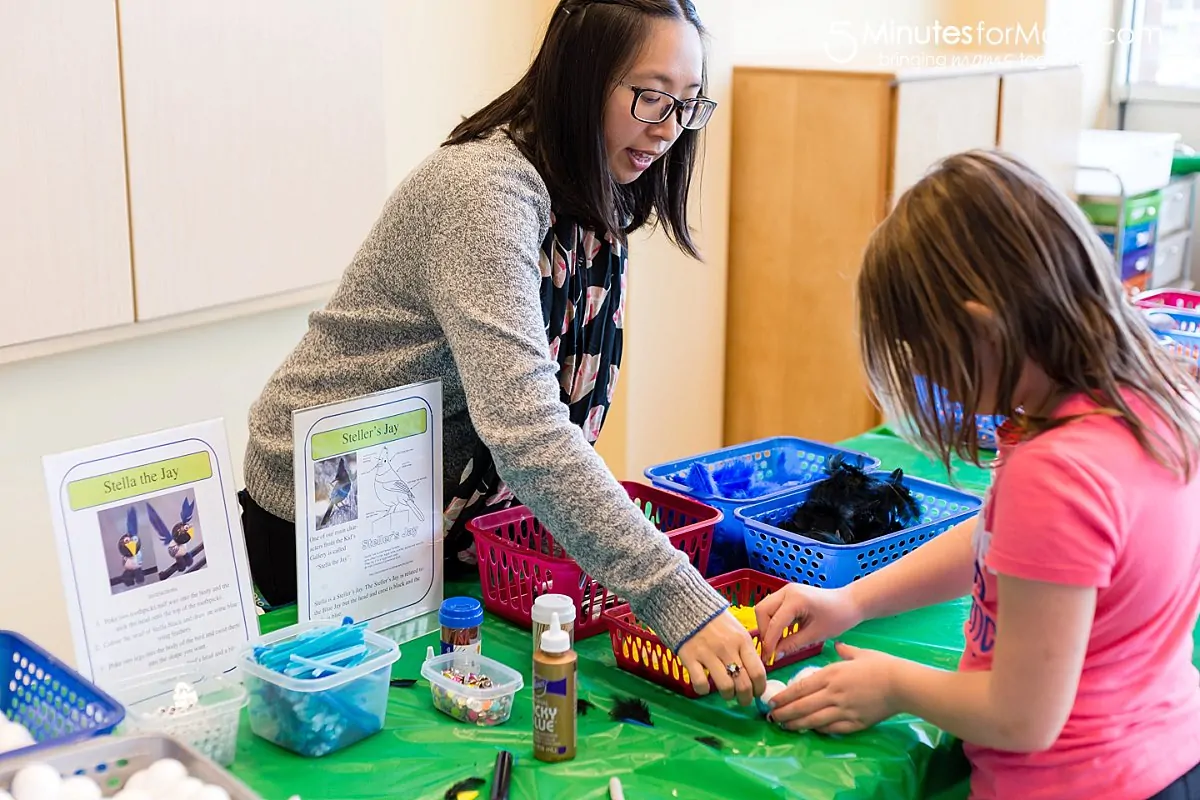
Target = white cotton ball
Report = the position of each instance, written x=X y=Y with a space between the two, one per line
x=79 y=787
x=210 y=792
x=37 y=782
x=5 y=795
x=165 y=773
x=187 y=789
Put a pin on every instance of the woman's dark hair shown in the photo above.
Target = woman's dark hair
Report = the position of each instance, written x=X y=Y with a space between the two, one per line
x=555 y=115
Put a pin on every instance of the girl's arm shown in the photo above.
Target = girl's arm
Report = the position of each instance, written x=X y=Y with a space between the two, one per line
x=1023 y=702
x=938 y=571
x=935 y=572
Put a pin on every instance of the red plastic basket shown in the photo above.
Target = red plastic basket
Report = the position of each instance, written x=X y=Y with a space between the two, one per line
x=519 y=559
x=1174 y=299
x=640 y=651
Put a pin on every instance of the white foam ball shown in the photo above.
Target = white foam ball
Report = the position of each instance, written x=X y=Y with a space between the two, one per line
x=37 y=782
x=5 y=795
x=132 y=794
x=139 y=781
x=165 y=773
x=79 y=787
x=773 y=688
x=187 y=789
x=210 y=792
x=14 y=736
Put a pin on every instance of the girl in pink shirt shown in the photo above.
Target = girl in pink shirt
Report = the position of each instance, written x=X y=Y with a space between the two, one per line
x=1084 y=566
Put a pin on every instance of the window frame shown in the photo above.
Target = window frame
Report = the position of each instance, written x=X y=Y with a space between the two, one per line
x=1129 y=16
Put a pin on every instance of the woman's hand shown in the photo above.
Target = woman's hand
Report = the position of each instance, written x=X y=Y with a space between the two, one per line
x=721 y=642
x=843 y=697
x=822 y=614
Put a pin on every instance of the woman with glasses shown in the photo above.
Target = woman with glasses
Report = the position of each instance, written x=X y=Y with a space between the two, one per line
x=498 y=265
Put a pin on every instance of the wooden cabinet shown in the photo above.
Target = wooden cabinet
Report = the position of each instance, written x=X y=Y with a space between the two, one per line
x=256 y=145
x=64 y=229
x=171 y=160
x=819 y=157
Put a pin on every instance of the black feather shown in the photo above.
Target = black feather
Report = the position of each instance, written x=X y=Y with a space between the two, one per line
x=631 y=709
x=582 y=707
x=468 y=785
x=851 y=506
x=403 y=683
x=711 y=741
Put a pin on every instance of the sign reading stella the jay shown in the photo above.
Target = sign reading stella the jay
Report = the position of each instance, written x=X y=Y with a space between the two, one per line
x=368 y=478
x=151 y=553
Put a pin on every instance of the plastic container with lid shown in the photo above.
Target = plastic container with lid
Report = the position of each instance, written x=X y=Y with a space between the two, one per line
x=462 y=622
x=484 y=706
x=545 y=606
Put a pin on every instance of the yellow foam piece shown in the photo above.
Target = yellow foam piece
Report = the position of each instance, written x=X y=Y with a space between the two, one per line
x=745 y=615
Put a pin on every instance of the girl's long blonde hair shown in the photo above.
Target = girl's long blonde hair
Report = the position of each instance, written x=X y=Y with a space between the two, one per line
x=983 y=227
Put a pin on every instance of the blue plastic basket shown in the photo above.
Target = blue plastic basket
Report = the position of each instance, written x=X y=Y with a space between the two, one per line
x=54 y=702
x=985 y=424
x=800 y=559
x=810 y=457
x=1169 y=320
x=1186 y=346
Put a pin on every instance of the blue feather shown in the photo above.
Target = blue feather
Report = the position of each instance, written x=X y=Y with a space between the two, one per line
x=131 y=524
x=185 y=514
x=164 y=535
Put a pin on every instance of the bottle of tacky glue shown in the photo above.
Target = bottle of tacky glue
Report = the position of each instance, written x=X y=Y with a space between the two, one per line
x=554 y=665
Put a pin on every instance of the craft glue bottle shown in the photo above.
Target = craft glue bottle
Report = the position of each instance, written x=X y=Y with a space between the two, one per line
x=554 y=665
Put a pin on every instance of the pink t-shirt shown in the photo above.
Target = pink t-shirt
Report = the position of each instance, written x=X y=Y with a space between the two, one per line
x=1084 y=505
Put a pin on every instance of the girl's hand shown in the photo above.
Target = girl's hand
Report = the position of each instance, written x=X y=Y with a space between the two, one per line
x=842 y=697
x=822 y=614
x=724 y=641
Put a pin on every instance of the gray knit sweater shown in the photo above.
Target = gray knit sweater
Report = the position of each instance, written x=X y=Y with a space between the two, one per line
x=446 y=286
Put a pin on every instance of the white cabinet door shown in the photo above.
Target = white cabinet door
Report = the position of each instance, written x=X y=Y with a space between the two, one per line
x=256 y=145
x=64 y=225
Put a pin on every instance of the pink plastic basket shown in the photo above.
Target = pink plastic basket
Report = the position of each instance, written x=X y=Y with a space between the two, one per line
x=519 y=559
x=1174 y=299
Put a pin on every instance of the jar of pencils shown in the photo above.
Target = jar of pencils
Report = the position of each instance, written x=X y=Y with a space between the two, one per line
x=462 y=622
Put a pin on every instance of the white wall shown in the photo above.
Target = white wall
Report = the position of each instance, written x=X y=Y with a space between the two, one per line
x=442 y=60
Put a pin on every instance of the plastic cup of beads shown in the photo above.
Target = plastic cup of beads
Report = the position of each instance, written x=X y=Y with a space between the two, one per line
x=462 y=622
x=319 y=686
x=472 y=688
x=548 y=604
x=200 y=710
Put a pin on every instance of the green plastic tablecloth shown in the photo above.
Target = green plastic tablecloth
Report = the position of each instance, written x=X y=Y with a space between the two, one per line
x=421 y=753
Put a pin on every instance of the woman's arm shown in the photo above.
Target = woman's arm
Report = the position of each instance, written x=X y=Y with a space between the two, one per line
x=937 y=571
x=489 y=214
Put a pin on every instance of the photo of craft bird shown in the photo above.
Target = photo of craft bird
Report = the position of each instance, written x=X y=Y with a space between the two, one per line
x=339 y=492
x=130 y=548
x=391 y=490
x=179 y=536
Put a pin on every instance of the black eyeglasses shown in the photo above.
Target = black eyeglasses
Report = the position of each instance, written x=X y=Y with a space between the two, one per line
x=653 y=106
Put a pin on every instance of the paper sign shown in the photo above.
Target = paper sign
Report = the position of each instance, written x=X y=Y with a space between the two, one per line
x=369 y=506
x=152 y=555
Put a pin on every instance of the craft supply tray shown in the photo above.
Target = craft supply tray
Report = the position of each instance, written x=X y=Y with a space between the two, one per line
x=519 y=558
x=801 y=559
x=639 y=650
x=111 y=760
